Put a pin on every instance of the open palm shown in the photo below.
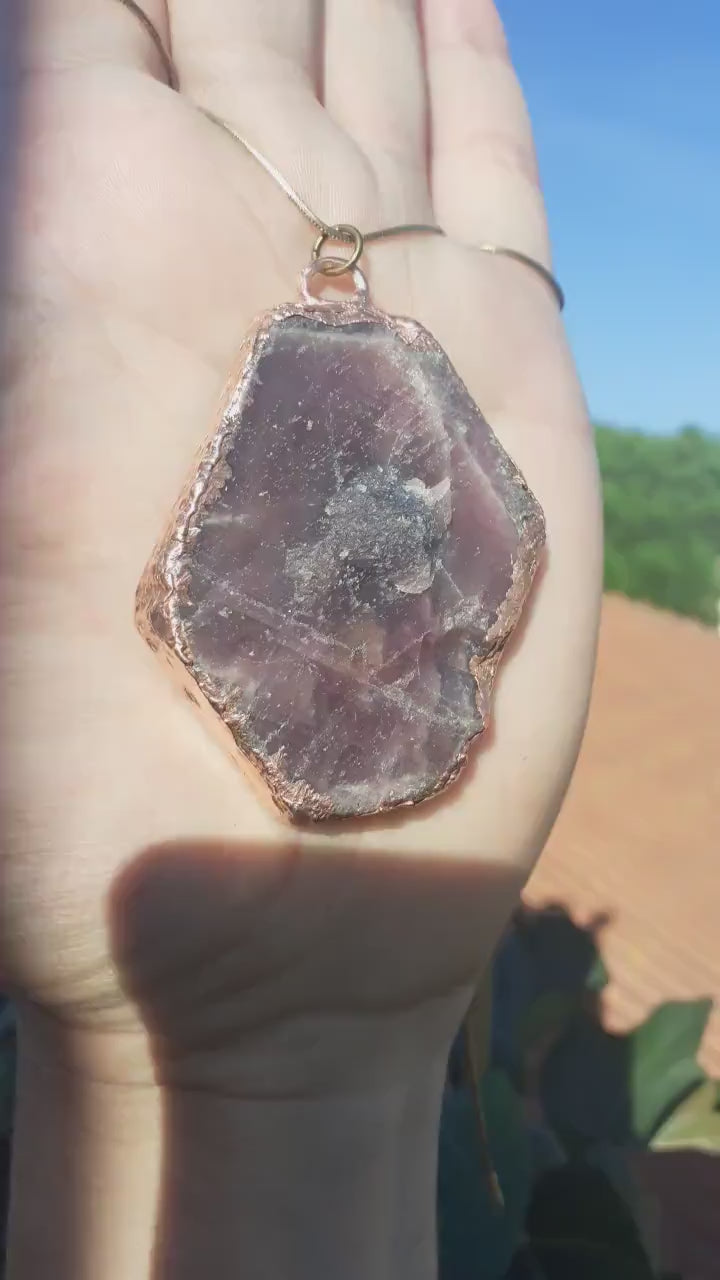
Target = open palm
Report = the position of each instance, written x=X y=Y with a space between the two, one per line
x=143 y=880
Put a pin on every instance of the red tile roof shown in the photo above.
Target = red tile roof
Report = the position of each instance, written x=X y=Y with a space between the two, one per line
x=639 y=836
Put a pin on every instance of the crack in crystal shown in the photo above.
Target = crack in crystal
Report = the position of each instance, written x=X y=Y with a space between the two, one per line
x=384 y=692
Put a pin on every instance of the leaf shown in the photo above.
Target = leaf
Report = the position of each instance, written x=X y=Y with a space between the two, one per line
x=545 y=1021
x=546 y=1150
x=597 y=978
x=663 y=1062
x=584 y=1086
x=476 y=1240
x=695 y=1123
x=540 y=970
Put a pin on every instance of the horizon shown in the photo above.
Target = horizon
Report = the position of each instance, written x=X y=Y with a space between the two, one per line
x=630 y=428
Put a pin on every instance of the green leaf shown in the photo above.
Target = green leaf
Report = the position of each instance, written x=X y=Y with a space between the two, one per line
x=476 y=1239
x=695 y=1123
x=597 y=978
x=546 y=1019
x=584 y=1086
x=663 y=1062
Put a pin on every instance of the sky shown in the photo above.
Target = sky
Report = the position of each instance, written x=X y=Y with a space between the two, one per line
x=625 y=101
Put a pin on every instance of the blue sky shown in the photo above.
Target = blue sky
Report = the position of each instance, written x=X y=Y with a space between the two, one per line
x=625 y=100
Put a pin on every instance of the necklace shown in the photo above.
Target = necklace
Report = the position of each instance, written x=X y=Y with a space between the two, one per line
x=353 y=549
x=331 y=231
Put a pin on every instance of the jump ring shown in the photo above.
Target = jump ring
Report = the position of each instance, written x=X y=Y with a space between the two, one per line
x=343 y=231
x=317 y=268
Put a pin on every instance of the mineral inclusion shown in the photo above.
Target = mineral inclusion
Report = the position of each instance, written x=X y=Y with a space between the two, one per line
x=345 y=566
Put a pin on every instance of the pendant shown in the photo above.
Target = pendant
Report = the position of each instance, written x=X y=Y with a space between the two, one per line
x=346 y=563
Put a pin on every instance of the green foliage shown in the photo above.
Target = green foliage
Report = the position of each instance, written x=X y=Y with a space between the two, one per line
x=662 y=518
x=663 y=1063
x=589 y=1215
x=476 y=1238
x=695 y=1123
x=598 y=1087
x=584 y=1086
x=597 y=978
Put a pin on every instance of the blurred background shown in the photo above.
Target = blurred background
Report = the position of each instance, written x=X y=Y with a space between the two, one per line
x=605 y=1000
x=625 y=102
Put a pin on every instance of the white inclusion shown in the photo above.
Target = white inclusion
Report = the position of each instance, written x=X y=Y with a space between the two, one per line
x=405 y=435
x=443 y=570
x=415 y=643
x=333 y=451
x=438 y=497
x=431 y=495
x=310 y=424
x=227 y=517
x=415 y=583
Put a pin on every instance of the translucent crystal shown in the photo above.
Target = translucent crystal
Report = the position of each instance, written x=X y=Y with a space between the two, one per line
x=346 y=564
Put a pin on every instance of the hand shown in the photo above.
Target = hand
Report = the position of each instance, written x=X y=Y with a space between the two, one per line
x=159 y=922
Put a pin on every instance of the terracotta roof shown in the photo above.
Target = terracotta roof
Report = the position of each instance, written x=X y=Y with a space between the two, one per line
x=639 y=836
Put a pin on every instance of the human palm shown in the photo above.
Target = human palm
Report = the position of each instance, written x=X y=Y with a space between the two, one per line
x=145 y=882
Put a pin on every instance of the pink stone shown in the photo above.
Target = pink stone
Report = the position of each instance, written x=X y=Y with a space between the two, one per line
x=350 y=557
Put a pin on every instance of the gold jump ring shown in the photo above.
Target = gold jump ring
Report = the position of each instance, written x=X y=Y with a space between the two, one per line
x=344 y=232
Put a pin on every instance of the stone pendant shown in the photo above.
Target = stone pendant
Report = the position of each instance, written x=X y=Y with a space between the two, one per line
x=342 y=572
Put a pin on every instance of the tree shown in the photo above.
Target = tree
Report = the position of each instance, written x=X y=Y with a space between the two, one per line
x=662 y=517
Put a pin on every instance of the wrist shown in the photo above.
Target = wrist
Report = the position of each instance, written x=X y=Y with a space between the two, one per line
x=130 y=1181
x=303 y=1187
x=86 y=1167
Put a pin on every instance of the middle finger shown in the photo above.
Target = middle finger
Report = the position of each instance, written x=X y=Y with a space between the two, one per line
x=375 y=89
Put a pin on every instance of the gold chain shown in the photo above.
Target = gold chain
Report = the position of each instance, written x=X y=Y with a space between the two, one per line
x=343 y=232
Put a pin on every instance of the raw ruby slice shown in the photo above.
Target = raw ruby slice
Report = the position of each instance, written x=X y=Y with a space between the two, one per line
x=346 y=564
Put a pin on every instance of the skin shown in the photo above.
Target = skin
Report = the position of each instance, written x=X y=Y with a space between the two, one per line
x=209 y=1001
